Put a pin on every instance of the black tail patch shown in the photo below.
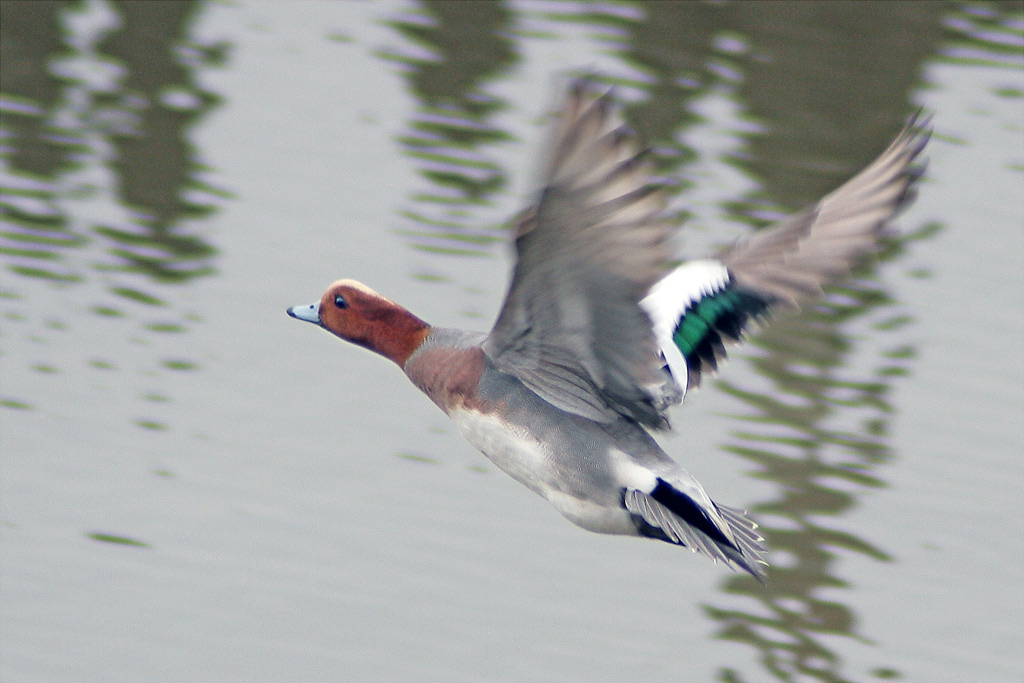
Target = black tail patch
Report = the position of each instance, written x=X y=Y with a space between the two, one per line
x=683 y=506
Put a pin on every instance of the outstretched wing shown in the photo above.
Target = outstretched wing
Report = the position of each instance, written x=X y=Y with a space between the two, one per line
x=703 y=305
x=571 y=327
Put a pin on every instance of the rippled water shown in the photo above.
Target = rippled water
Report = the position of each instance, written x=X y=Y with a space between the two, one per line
x=195 y=487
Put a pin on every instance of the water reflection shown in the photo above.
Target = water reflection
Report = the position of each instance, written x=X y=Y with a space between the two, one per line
x=452 y=128
x=100 y=183
x=829 y=85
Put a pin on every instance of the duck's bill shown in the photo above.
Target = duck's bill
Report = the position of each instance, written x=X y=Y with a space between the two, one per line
x=308 y=312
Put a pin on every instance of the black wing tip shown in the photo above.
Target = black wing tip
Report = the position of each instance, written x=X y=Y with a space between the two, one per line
x=917 y=132
x=920 y=120
x=588 y=86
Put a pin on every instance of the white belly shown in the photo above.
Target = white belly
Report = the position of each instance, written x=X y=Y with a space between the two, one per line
x=511 y=450
x=529 y=462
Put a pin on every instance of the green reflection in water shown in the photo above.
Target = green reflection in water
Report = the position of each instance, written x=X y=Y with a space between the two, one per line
x=451 y=129
x=178 y=364
x=14 y=405
x=100 y=184
x=117 y=540
x=83 y=91
x=419 y=457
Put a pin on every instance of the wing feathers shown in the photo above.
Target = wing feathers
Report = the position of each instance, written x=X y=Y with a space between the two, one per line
x=796 y=257
x=571 y=327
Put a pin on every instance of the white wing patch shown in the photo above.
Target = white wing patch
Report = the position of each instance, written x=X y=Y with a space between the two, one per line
x=670 y=298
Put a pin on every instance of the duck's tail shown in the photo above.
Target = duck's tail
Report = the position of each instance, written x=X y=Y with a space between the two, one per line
x=721 y=532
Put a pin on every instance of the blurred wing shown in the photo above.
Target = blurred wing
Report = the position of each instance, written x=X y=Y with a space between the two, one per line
x=703 y=305
x=571 y=328
x=794 y=258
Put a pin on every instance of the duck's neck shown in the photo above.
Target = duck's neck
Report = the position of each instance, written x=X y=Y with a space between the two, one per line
x=394 y=333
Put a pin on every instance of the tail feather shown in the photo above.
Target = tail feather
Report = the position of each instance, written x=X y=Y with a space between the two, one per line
x=724 y=534
x=750 y=542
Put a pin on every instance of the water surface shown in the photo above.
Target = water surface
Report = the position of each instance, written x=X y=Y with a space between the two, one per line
x=192 y=482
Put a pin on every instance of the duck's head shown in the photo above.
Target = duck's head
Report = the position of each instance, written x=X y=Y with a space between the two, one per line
x=357 y=314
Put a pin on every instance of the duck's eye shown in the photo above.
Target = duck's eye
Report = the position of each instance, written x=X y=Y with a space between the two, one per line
x=340 y=301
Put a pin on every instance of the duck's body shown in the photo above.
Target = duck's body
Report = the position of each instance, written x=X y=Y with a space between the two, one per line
x=586 y=469
x=598 y=337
